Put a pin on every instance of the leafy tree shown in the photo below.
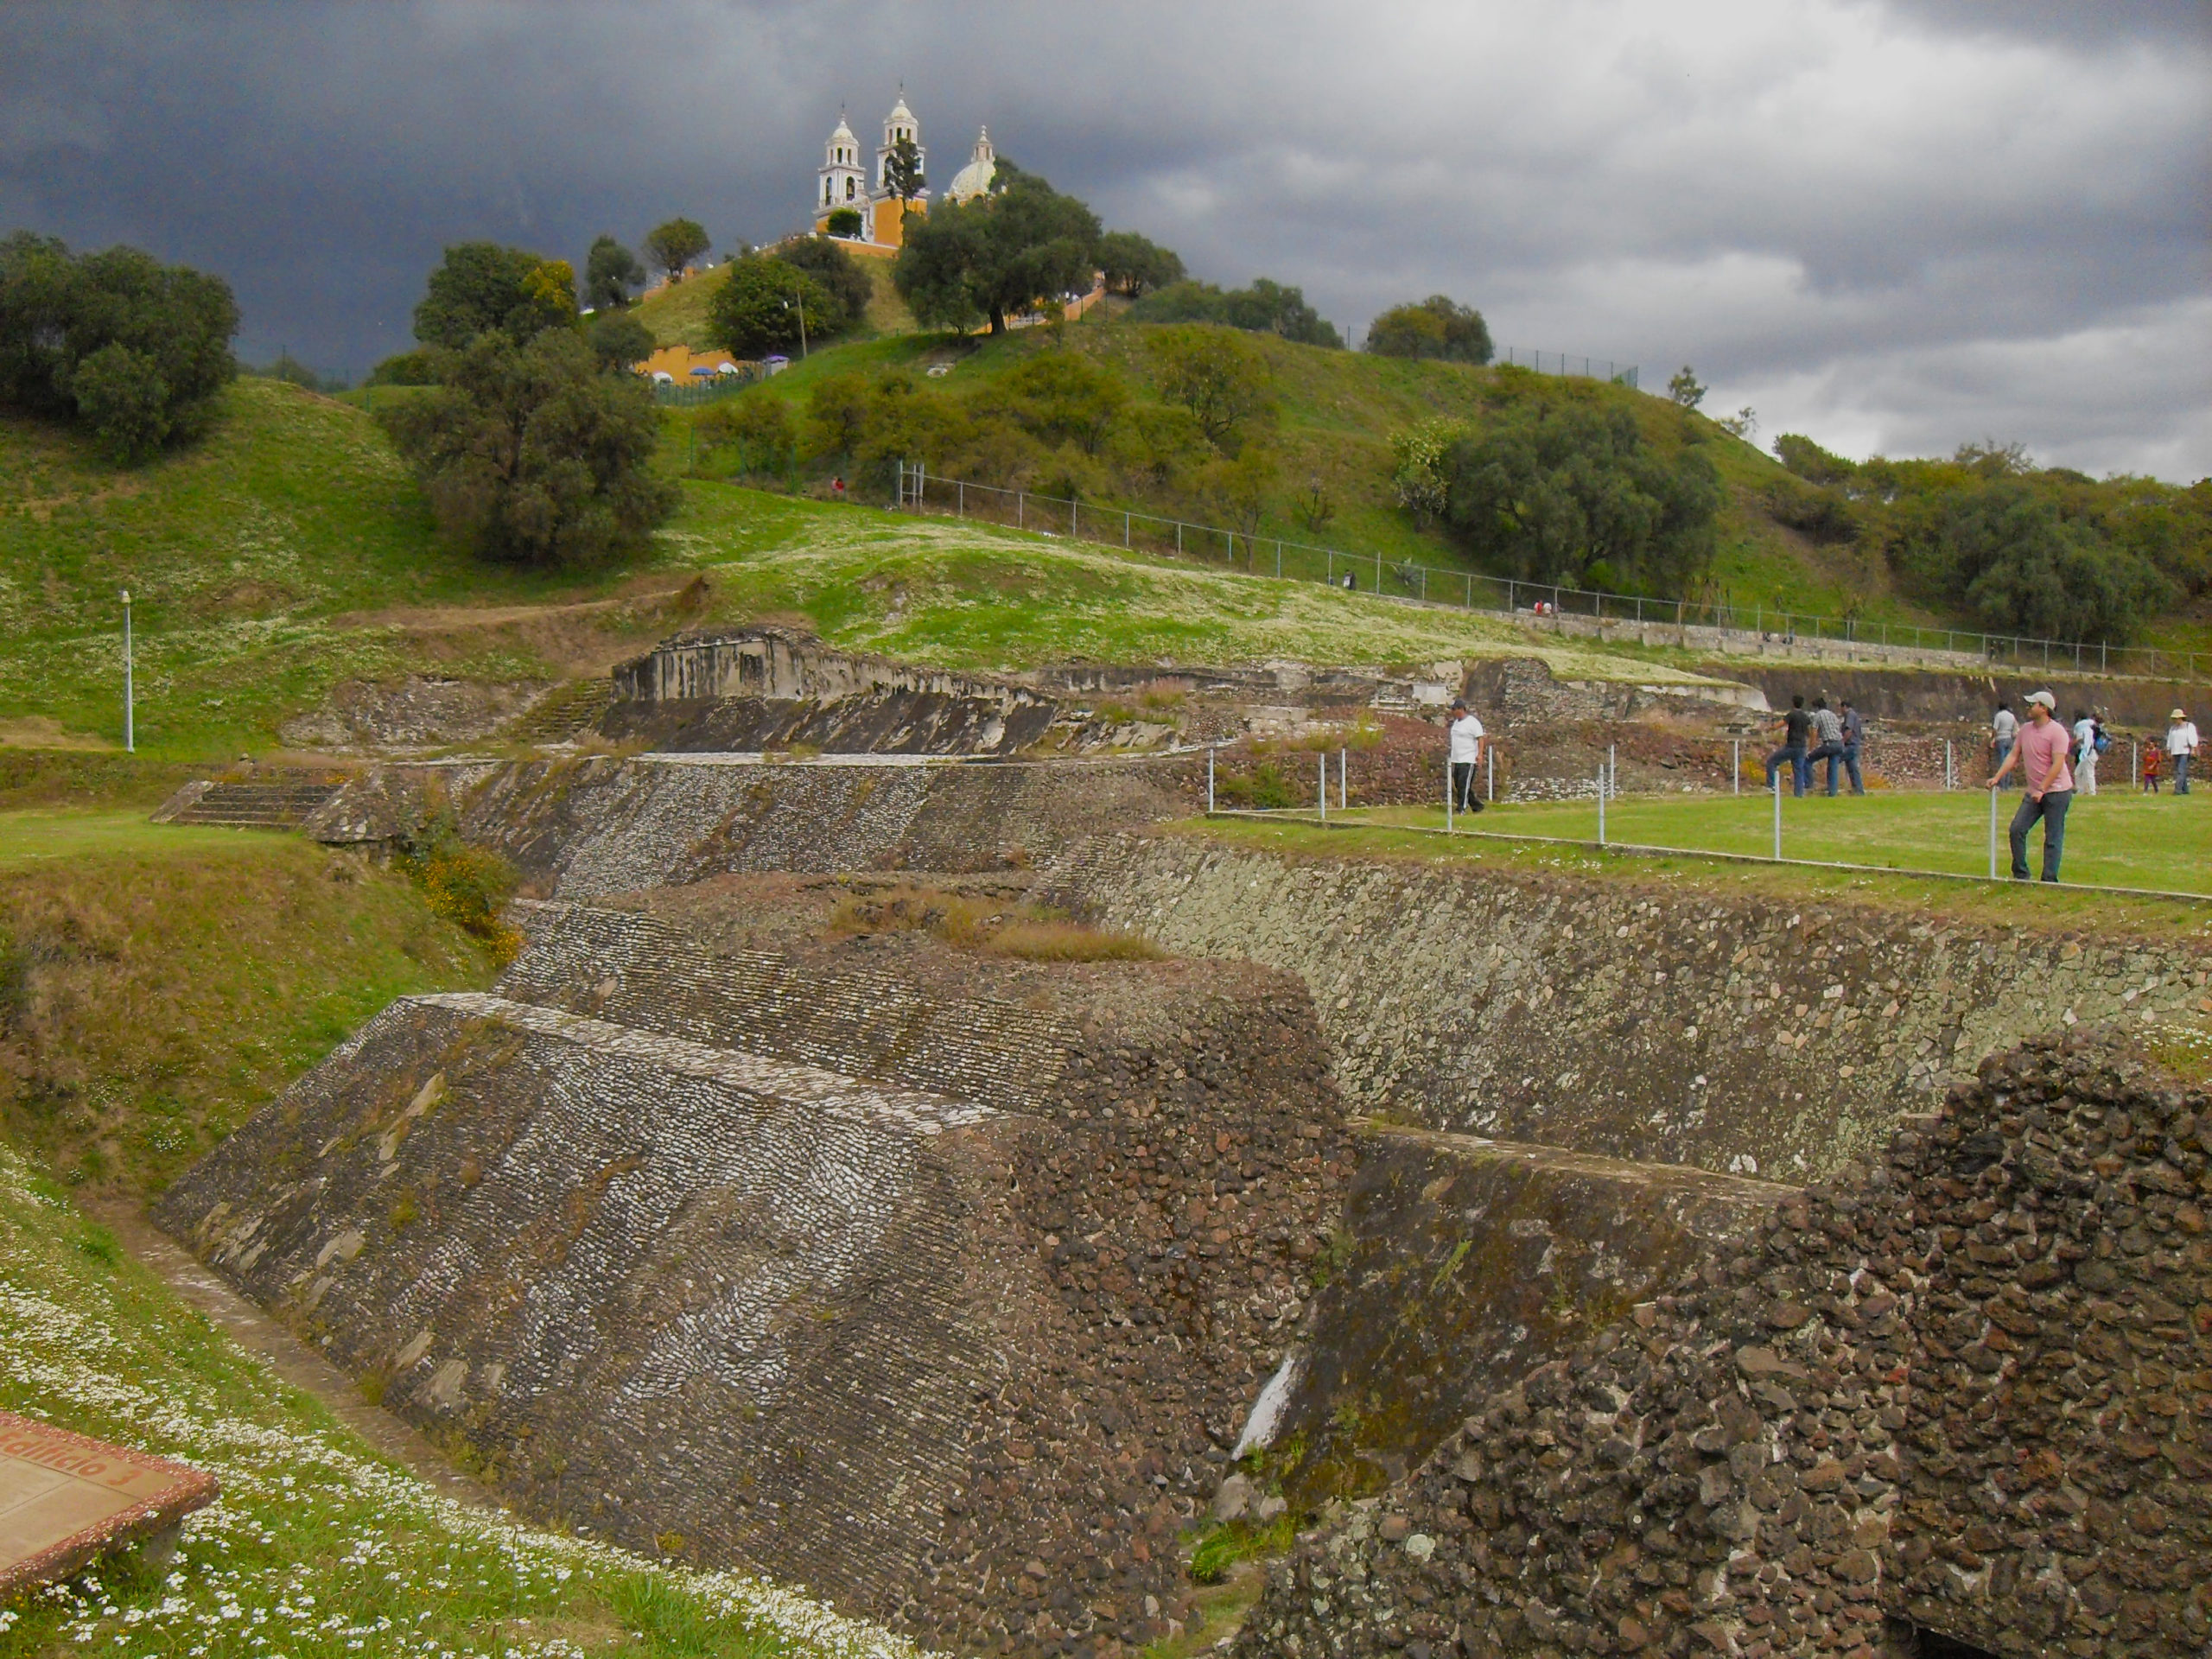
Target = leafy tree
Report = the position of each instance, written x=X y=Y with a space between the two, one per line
x=764 y=305
x=1059 y=397
x=1434 y=328
x=1315 y=505
x=1554 y=487
x=846 y=287
x=1685 y=388
x=760 y=428
x=1022 y=245
x=617 y=340
x=1236 y=486
x=482 y=288
x=1265 y=308
x=844 y=221
x=902 y=172
x=1821 y=511
x=1213 y=374
x=1811 y=462
x=1422 y=475
x=611 y=270
x=2026 y=570
x=137 y=350
x=415 y=368
x=1135 y=265
x=676 y=244
x=529 y=455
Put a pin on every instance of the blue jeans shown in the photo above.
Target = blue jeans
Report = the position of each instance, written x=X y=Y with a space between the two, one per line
x=1851 y=766
x=2050 y=807
x=1830 y=752
x=2004 y=748
x=2181 y=772
x=1800 y=773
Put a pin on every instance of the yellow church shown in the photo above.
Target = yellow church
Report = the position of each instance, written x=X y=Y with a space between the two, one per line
x=841 y=184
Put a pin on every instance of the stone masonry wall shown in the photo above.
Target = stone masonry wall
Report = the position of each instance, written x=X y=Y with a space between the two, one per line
x=1741 y=1034
x=1967 y=1393
x=958 y=1333
x=1463 y=1264
x=583 y=828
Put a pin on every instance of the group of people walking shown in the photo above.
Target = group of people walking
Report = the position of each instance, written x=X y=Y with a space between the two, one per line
x=1812 y=735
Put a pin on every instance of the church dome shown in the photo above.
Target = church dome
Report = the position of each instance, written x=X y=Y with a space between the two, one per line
x=975 y=179
x=844 y=133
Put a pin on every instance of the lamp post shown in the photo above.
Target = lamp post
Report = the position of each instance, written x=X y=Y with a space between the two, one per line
x=130 y=736
x=798 y=298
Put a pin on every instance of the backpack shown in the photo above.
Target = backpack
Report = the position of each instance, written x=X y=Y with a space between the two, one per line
x=2104 y=743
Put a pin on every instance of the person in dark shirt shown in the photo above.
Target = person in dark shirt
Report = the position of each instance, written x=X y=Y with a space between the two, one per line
x=1855 y=739
x=1796 y=726
x=1828 y=733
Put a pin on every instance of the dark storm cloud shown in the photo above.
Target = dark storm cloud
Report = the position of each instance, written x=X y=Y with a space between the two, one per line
x=1885 y=222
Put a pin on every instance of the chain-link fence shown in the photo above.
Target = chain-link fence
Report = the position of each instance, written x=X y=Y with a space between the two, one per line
x=1713 y=625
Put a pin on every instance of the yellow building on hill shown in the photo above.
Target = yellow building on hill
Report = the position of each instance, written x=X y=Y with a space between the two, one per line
x=841 y=184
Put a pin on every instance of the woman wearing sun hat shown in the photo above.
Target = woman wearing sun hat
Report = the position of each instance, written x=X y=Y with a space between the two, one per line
x=2181 y=747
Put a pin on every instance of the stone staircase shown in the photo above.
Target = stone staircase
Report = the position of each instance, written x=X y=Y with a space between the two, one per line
x=562 y=712
x=270 y=799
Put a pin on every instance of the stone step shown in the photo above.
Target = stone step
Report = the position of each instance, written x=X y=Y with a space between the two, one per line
x=279 y=805
x=564 y=712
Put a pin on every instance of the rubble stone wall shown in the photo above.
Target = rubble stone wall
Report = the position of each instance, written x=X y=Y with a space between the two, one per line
x=1741 y=1034
x=1966 y=1394
x=944 y=1292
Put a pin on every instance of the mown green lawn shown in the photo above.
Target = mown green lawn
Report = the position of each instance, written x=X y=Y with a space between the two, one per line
x=32 y=837
x=2114 y=839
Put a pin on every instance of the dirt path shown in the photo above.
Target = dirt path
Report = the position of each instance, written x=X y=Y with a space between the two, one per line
x=286 y=1355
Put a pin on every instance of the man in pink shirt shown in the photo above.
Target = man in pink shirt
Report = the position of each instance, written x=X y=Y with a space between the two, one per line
x=2047 y=782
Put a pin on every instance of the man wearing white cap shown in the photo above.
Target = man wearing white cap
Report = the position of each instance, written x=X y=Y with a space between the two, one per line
x=2047 y=783
x=2181 y=747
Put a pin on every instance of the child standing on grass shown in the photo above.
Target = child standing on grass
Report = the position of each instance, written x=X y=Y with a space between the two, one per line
x=2153 y=760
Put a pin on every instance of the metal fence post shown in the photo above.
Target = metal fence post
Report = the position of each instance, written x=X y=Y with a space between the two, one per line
x=1612 y=769
x=1490 y=764
x=1736 y=766
x=960 y=500
x=1992 y=835
x=1601 y=806
x=1210 y=749
x=1775 y=782
x=1949 y=772
x=1447 y=788
x=1324 y=759
x=1125 y=529
x=1343 y=784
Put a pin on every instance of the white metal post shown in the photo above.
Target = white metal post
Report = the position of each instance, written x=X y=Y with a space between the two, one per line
x=130 y=733
x=1601 y=806
x=1736 y=766
x=1949 y=765
x=1992 y=835
x=1777 y=817
x=1210 y=748
x=1449 y=803
x=1490 y=765
x=1612 y=769
x=1324 y=759
x=1344 y=783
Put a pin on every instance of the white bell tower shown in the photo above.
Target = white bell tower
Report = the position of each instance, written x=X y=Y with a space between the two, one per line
x=843 y=183
x=900 y=124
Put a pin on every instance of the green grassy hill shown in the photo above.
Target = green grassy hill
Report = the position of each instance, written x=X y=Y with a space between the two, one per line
x=290 y=551
x=677 y=314
x=1334 y=413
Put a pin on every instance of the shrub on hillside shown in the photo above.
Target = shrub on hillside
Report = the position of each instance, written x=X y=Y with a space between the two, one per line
x=764 y=304
x=135 y=351
x=1554 y=487
x=618 y=340
x=757 y=429
x=1215 y=376
x=415 y=368
x=1811 y=462
x=1437 y=327
x=1265 y=308
x=481 y=288
x=531 y=455
x=840 y=277
x=611 y=270
x=1820 y=512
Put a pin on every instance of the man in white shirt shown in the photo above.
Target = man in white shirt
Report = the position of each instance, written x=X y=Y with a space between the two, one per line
x=2085 y=751
x=1467 y=742
x=2181 y=747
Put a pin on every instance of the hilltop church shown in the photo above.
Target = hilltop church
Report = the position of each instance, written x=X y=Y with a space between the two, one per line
x=841 y=185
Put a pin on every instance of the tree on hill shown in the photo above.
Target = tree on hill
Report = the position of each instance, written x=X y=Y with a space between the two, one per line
x=676 y=244
x=618 y=340
x=1134 y=265
x=611 y=270
x=844 y=221
x=1265 y=308
x=482 y=288
x=1021 y=245
x=1811 y=462
x=135 y=350
x=764 y=305
x=1218 y=378
x=902 y=172
x=1560 y=492
x=1437 y=328
x=1685 y=388
x=845 y=285
x=529 y=455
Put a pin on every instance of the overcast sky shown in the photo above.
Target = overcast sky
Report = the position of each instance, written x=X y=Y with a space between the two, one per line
x=1896 y=224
